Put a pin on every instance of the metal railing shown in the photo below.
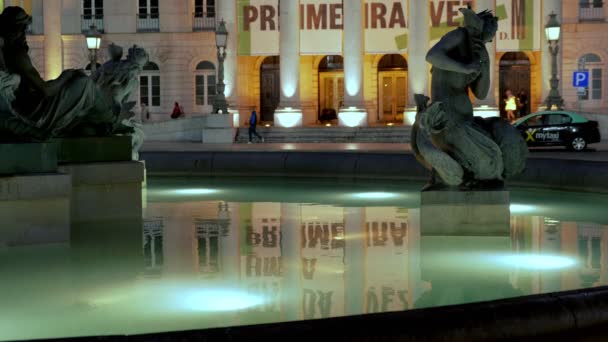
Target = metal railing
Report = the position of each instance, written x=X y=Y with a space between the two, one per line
x=147 y=22
x=591 y=13
x=87 y=21
x=203 y=22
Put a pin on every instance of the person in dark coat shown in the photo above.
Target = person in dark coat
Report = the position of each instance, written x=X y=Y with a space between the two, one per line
x=253 y=122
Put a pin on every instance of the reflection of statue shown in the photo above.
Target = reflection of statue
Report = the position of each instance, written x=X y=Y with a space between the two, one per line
x=463 y=150
x=71 y=105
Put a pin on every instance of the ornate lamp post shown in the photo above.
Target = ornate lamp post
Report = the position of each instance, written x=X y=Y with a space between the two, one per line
x=93 y=38
x=220 y=105
x=552 y=31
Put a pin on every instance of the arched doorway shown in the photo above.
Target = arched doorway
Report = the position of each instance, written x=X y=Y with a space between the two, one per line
x=270 y=87
x=514 y=74
x=392 y=88
x=331 y=87
x=204 y=86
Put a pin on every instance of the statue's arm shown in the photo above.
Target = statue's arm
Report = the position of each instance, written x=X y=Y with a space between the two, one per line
x=481 y=85
x=438 y=55
x=29 y=73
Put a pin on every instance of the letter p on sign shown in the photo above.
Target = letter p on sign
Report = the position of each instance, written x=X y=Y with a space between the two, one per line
x=580 y=79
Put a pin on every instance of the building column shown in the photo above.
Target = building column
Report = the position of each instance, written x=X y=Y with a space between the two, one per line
x=549 y=6
x=227 y=10
x=418 y=46
x=490 y=100
x=290 y=54
x=353 y=111
x=53 y=47
x=289 y=113
x=418 y=68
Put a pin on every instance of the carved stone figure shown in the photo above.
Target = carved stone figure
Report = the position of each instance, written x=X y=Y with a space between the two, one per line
x=463 y=150
x=71 y=105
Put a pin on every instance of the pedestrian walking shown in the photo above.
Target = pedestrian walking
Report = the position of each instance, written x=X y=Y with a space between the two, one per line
x=253 y=122
x=177 y=111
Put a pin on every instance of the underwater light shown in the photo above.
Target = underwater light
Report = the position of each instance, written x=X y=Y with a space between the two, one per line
x=194 y=191
x=536 y=261
x=375 y=195
x=516 y=208
x=220 y=300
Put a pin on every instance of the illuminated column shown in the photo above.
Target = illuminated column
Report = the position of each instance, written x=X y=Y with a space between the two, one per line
x=353 y=113
x=418 y=45
x=549 y=6
x=227 y=10
x=490 y=100
x=289 y=113
x=53 y=48
x=290 y=54
x=291 y=219
x=354 y=260
x=415 y=286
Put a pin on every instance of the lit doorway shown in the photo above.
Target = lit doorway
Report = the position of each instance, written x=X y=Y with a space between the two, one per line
x=515 y=69
x=392 y=88
x=331 y=87
x=270 y=87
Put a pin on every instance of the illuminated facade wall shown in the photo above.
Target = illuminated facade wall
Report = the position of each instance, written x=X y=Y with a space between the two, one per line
x=178 y=40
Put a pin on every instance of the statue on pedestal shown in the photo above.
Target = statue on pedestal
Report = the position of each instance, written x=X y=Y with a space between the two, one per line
x=462 y=150
x=73 y=105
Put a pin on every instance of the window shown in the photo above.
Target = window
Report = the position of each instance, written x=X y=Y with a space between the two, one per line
x=205 y=85
x=148 y=9
x=593 y=64
x=557 y=119
x=204 y=8
x=149 y=85
x=92 y=9
x=92 y=14
x=591 y=10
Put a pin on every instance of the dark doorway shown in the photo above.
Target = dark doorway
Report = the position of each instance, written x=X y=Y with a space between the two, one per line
x=270 y=87
x=514 y=75
x=392 y=88
x=331 y=88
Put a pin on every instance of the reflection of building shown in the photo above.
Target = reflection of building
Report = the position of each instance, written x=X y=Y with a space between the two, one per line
x=153 y=245
x=312 y=65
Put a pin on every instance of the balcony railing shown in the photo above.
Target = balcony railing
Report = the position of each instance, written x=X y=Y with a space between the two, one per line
x=147 y=22
x=203 y=22
x=88 y=20
x=591 y=13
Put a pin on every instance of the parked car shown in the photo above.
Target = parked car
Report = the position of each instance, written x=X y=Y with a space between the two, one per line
x=558 y=128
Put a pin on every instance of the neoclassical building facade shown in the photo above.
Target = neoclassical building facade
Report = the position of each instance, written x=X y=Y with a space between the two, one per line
x=319 y=57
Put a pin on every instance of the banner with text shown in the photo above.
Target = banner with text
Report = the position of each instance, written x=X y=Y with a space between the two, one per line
x=321 y=24
x=258 y=27
x=386 y=26
x=445 y=16
x=519 y=25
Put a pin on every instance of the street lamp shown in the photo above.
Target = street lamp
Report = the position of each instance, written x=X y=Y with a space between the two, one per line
x=93 y=38
x=221 y=38
x=552 y=31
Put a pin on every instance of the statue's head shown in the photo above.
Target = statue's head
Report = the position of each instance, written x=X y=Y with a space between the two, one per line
x=115 y=52
x=138 y=55
x=14 y=19
x=483 y=24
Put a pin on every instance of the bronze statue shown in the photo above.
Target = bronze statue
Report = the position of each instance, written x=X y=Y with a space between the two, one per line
x=71 y=105
x=463 y=150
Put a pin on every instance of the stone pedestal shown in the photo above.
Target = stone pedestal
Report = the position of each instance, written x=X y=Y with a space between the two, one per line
x=465 y=213
x=35 y=209
x=19 y=159
x=94 y=149
x=105 y=191
x=219 y=129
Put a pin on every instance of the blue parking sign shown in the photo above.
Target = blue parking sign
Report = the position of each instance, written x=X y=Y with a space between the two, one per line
x=580 y=79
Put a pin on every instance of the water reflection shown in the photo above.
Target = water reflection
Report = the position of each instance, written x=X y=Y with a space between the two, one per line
x=196 y=262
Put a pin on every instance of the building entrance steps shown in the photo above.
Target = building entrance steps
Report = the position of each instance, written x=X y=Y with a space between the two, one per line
x=332 y=134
